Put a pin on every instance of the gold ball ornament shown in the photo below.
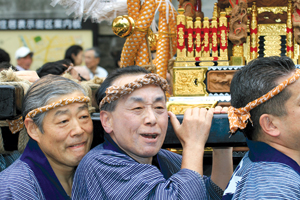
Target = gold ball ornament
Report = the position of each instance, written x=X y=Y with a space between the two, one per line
x=123 y=26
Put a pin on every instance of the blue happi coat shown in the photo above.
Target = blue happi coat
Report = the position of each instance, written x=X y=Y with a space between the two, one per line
x=7 y=159
x=31 y=177
x=264 y=173
x=107 y=172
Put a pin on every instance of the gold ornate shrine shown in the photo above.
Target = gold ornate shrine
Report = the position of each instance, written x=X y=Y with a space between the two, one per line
x=206 y=59
x=188 y=81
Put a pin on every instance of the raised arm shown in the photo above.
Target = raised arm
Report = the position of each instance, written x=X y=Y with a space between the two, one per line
x=222 y=167
x=193 y=134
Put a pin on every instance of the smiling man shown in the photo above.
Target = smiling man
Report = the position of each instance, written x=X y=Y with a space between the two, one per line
x=60 y=128
x=130 y=164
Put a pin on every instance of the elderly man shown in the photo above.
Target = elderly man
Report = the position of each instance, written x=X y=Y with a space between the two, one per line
x=130 y=164
x=92 y=60
x=24 y=58
x=57 y=120
x=265 y=98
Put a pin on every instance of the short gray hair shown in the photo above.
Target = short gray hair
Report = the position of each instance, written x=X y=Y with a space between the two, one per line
x=43 y=91
x=96 y=50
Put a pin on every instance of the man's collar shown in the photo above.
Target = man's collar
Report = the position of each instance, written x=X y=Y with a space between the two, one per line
x=42 y=170
x=20 y=68
x=110 y=144
x=262 y=152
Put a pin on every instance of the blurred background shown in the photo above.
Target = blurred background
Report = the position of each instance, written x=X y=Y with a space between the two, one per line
x=49 y=31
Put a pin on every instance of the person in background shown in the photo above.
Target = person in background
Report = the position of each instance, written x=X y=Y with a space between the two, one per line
x=265 y=102
x=75 y=54
x=23 y=56
x=83 y=71
x=6 y=66
x=56 y=117
x=92 y=60
x=4 y=56
x=130 y=164
x=59 y=68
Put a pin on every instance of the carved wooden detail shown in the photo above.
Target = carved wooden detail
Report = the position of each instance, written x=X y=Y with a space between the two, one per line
x=219 y=81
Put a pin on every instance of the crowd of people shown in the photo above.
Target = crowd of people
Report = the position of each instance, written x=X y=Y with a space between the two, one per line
x=58 y=163
x=72 y=63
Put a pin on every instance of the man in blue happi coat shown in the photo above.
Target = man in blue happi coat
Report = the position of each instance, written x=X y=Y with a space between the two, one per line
x=56 y=117
x=266 y=108
x=130 y=164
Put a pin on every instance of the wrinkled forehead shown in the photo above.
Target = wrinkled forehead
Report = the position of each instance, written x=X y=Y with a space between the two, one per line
x=151 y=91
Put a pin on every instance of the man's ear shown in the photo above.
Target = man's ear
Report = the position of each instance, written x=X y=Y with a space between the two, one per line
x=268 y=124
x=32 y=129
x=106 y=121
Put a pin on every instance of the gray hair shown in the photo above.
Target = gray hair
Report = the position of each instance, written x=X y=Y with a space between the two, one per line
x=96 y=50
x=43 y=91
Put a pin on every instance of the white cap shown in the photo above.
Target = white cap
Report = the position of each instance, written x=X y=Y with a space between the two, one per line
x=23 y=52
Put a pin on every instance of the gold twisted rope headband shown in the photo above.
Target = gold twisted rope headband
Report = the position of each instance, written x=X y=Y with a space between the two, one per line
x=115 y=92
x=238 y=117
x=18 y=124
x=60 y=103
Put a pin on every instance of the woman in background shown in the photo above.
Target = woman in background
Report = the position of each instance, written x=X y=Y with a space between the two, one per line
x=74 y=53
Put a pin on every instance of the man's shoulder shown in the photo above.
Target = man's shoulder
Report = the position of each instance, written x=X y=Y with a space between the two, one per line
x=101 y=68
x=257 y=177
x=101 y=72
x=17 y=176
x=106 y=156
x=265 y=173
x=276 y=169
x=18 y=170
x=265 y=168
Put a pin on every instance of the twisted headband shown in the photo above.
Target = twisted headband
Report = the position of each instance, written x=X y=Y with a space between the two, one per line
x=238 y=117
x=18 y=124
x=115 y=92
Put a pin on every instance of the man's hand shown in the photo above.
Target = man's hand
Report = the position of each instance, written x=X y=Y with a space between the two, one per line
x=195 y=127
x=193 y=134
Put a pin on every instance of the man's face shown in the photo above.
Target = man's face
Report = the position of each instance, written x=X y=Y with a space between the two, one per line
x=289 y=123
x=68 y=133
x=90 y=60
x=25 y=62
x=140 y=120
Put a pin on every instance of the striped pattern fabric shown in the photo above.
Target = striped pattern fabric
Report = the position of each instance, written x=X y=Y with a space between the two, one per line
x=19 y=182
x=106 y=174
x=7 y=159
x=259 y=176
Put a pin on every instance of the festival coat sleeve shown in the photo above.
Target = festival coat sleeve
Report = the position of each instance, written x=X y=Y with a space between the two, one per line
x=117 y=176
